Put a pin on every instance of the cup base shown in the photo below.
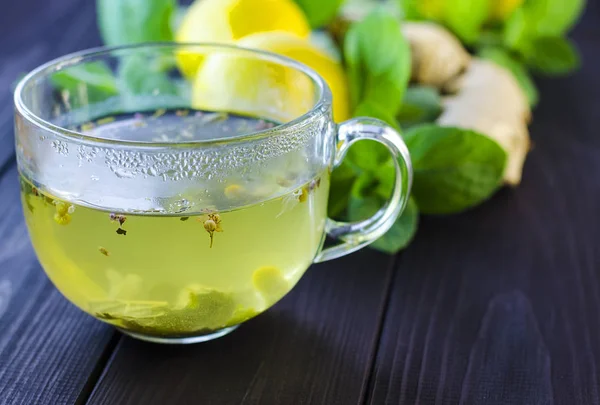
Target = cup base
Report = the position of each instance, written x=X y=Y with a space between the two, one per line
x=181 y=340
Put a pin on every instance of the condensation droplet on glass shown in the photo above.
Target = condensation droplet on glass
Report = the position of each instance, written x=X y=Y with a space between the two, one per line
x=94 y=178
x=122 y=173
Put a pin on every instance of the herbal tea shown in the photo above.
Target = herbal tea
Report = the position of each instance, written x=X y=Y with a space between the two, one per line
x=186 y=271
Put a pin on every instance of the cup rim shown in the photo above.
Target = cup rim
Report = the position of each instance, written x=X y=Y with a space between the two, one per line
x=322 y=104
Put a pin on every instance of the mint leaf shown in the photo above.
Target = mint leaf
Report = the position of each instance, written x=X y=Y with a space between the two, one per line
x=466 y=17
x=378 y=61
x=420 y=104
x=552 y=17
x=540 y=18
x=368 y=154
x=364 y=186
x=504 y=59
x=134 y=21
x=399 y=235
x=553 y=56
x=454 y=169
x=319 y=12
x=142 y=74
x=411 y=9
x=342 y=179
x=373 y=110
x=86 y=83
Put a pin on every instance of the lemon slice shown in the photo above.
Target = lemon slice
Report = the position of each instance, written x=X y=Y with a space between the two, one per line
x=230 y=20
x=270 y=283
x=250 y=86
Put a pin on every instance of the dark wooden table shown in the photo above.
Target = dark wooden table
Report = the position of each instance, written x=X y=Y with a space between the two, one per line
x=500 y=305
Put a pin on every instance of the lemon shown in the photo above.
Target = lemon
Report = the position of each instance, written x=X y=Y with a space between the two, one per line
x=248 y=85
x=270 y=283
x=230 y=20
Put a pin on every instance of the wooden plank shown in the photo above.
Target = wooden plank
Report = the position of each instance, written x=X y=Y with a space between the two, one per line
x=313 y=347
x=500 y=305
x=48 y=348
x=35 y=32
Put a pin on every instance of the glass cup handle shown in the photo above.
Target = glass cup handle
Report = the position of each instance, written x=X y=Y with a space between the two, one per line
x=356 y=235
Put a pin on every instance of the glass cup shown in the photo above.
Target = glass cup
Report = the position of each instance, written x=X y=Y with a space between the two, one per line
x=176 y=191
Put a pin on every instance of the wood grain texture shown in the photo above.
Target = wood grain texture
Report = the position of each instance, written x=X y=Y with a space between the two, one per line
x=33 y=32
x=48 y=348
x=313 y=347
x=501 y=305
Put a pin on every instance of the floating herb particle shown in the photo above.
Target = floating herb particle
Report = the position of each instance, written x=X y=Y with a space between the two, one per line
x=120 y=218
x=103 y=251
x=105 y=316
x=262 y=124
x=105 y=120
x=233 y=191
x=62 y=208
x=303 y=195
x=121 y=231
x=212 y=225
x=158 y=113
x=62 y=212
x=35 y=191
x=214 y=117
x=314 y=184
x=283 y=182
x=62 y=219
x=88 y=126
x=184 y=218
x=30 y=207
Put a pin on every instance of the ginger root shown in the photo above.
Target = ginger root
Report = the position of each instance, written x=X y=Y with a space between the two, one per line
x=484 y=96
x=488 y=99
x=437 y=56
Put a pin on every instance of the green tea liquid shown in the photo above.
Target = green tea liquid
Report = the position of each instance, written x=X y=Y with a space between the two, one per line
x=183 y=273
